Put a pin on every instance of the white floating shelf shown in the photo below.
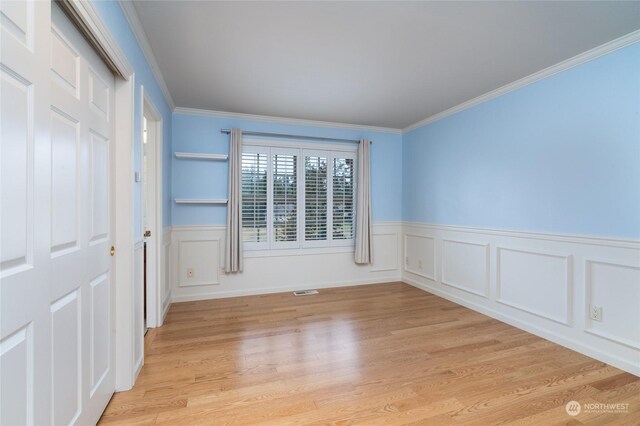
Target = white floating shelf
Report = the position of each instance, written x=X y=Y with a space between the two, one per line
x=201 y=156
x=200 y=201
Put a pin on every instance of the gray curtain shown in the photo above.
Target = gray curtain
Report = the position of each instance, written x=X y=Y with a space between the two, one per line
x=364 y=251
x=233 y=242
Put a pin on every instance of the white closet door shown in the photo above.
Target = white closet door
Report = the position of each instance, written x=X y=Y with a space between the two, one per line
x=25 y=223
x=81 y=229
x=56 y=291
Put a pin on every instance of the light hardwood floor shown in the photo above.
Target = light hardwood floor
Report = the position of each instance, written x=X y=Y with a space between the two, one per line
x=374 y=354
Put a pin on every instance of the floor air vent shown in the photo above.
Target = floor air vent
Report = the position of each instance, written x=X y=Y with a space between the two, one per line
x=305 y=292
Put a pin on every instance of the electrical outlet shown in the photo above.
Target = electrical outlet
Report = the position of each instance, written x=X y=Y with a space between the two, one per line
x=189 y=272
x=596 y=313
x=419 y=264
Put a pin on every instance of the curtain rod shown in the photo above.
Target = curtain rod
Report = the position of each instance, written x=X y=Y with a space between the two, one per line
x=282 y=135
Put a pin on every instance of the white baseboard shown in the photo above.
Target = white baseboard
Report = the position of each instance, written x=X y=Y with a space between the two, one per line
x=165 y=306
x=542 y=283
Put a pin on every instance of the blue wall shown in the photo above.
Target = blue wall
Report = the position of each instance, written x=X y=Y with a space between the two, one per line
x=560 y=155
x=116 y=22
x=207 y=179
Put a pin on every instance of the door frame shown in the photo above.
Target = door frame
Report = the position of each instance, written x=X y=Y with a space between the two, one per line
x=149 y=111
x=90 y=24
x=124 y=235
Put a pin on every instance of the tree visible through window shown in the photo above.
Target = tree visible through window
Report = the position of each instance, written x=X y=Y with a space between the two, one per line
x=343 y=202
x=285 y=188
x=254 y=197
x=315 y=198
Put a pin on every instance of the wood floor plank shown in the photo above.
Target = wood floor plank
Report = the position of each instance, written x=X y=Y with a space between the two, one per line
x=374 y=354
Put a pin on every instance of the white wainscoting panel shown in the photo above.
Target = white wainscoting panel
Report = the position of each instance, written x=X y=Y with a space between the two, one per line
x=616 y=289
x=385 y=252
x=420 y=256
x=535 y=282
x=201 y=248
x=465 y=265
x=199 y=262
x=541 y=283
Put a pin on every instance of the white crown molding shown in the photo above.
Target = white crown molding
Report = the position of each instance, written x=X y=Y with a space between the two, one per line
x=284 y=120
x=134 y=22
x=589 y=55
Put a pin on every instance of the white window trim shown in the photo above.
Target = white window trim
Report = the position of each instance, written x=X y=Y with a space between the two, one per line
x=301 y=150
x=338 y=146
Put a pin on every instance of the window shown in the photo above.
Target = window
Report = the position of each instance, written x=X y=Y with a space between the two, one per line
x=294 y=197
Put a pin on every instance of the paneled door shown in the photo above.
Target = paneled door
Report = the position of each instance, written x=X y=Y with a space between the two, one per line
x=56 y=289
x=81 y=289
x=25 y=228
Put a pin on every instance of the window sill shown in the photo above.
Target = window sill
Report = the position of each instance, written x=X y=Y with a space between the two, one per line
x=298 y=251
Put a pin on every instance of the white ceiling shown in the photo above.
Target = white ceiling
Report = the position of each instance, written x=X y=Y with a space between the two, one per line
x=387 y=64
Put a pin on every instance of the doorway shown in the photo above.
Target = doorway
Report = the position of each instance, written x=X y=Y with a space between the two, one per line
x=151 y=211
